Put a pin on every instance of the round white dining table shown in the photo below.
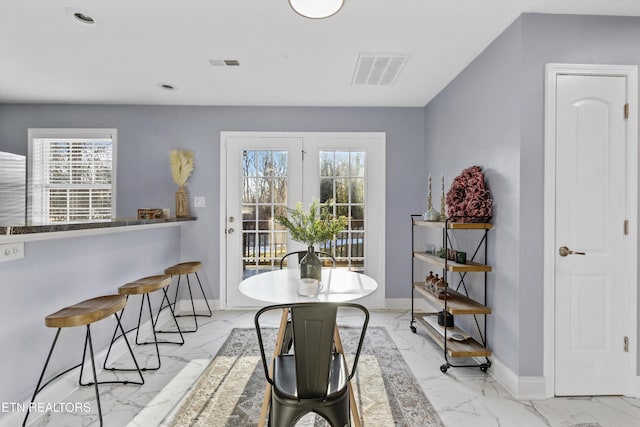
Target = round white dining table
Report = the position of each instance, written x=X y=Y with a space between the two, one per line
x=281 y=286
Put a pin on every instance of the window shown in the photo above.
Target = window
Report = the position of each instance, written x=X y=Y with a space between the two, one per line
x=264 y=195
x=71 y=176
x=342 y=179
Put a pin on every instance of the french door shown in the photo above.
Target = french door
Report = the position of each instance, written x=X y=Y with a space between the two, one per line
x=267 y=172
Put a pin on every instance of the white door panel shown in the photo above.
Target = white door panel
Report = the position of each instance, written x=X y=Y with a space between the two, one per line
x=257 y=169
x=590 y=212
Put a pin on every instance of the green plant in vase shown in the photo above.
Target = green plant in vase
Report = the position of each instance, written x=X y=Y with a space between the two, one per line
x=315 y=225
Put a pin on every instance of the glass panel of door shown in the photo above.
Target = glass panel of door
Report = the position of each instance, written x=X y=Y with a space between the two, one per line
x=264 y=195
x=342 y=179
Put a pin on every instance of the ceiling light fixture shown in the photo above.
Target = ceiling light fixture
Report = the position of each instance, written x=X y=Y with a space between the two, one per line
x=316 y=9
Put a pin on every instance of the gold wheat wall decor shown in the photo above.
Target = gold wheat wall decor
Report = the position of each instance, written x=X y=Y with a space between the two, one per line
x=182 y=162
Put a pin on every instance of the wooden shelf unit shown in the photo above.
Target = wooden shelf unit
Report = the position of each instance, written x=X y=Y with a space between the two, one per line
x=452 y=266
x=467 y=348
x=454 y=225
x=460 y=303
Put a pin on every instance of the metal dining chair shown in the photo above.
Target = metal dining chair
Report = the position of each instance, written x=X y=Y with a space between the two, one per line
x=315 y=377
x=301 y=255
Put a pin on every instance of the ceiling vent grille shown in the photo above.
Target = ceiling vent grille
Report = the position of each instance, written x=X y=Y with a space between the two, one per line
x=378 y=69
x=224 y=62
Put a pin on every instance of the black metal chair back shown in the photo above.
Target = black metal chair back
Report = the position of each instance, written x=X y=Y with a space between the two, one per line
x=315 y=376
x=301 y=255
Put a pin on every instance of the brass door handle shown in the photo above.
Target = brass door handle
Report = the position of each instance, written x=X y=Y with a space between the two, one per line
x=564 y=251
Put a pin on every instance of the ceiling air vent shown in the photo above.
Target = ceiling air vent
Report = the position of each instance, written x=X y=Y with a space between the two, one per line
x=378 y=69
x=224 y=62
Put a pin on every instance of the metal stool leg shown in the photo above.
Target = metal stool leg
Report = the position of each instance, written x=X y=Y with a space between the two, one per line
x=114 y=338
x=93 y=368
x=169 y=303
x=193 y=307
x=193 y=313
x=137 y=369
x=175 y=321
x=38 y=388
x=204 y=296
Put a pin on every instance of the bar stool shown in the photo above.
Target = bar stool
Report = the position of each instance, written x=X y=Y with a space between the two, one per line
x=85 y=313
x=144 y=287
x=184 y=269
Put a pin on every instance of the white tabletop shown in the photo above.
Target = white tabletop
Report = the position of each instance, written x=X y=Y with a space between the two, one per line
x=280 y=286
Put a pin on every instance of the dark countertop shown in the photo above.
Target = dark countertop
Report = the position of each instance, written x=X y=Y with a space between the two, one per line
x=31 y=229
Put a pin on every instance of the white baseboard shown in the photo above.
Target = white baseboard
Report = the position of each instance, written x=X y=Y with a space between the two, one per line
x=522 y=388
x=398 y=303
x=183 y=306
x=533 y=388
x=635 y=392
x=405 y=304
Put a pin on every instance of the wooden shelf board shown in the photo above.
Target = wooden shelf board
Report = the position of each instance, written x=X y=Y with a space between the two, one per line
x=459 y=304
x=454 y=225
x=451 y=265
x=466 y=348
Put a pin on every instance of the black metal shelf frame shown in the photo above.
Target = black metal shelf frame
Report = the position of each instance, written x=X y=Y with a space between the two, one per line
x=481 y=248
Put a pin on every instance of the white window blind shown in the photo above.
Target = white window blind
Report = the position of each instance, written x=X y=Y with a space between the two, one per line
x=71 y=177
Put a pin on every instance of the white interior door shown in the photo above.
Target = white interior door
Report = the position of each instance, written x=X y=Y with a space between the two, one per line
x=591 y=318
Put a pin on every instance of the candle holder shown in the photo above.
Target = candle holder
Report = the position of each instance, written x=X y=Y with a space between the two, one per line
x=431 y=214
x=443 y=216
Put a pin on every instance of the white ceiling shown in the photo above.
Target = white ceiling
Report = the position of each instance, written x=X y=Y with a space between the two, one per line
x=46 y=56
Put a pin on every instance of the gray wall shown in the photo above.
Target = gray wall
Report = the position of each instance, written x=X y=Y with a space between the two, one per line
x=493 y=112
x=146 y=134
x=61 y=272
x=476 y=121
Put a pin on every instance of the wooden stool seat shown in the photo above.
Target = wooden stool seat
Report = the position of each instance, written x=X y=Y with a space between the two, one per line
x=145 y=285
x=86 y=312
x=183 y=268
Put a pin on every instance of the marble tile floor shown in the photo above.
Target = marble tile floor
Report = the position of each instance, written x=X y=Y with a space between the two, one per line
x=462 y=397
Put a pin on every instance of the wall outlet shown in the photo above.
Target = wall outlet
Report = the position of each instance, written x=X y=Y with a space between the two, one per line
x=199 y=202
x=11 y=251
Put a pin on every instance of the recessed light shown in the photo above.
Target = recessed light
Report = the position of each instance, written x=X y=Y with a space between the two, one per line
x=84 y=18
x=167 y=86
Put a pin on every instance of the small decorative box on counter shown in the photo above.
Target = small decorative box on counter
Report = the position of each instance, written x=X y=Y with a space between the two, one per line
x=151 y=214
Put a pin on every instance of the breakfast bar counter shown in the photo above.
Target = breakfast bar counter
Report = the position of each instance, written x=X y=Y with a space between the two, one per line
x=24 y=233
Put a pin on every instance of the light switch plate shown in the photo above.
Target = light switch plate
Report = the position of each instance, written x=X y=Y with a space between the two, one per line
x=11 y=251
x=199 y=202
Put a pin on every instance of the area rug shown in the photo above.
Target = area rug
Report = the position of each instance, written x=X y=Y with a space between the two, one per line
x=229 y=392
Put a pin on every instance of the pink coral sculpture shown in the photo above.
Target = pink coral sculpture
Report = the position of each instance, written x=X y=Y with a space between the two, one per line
x=469 y=200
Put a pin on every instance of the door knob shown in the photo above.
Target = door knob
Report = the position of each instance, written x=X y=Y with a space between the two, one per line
x=564 y=251
x=230 y=231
